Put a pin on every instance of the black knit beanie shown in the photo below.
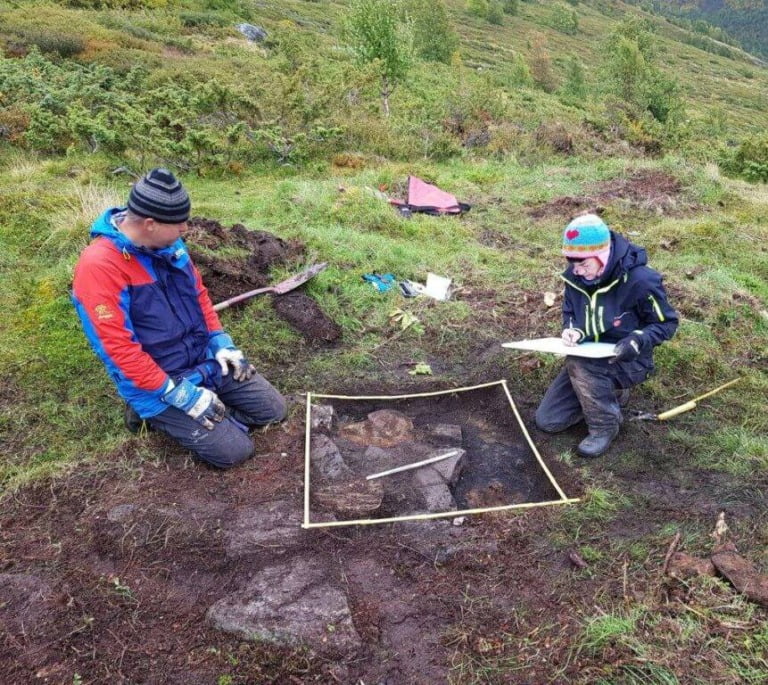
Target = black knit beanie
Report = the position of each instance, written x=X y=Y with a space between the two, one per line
x=160 y=196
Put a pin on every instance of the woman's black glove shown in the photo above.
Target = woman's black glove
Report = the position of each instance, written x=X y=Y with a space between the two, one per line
x=628 y=349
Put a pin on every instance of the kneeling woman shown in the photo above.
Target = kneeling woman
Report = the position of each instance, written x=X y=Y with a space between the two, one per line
x=611 y=295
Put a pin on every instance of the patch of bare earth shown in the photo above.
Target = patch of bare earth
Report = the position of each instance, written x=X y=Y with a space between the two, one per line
x=237 y=260
x=649 y=191
x=171 y=572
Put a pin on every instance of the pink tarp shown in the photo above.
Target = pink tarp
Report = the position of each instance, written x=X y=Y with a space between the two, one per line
x=424 y=197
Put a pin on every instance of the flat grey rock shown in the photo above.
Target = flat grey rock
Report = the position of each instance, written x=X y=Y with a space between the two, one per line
x=273 y=526
x=255 y=34
x=450 y=469
x=434 y=490
x=326 y=458
x=291 y=603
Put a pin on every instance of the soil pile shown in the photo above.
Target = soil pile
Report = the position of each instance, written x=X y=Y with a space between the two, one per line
x=236 y=260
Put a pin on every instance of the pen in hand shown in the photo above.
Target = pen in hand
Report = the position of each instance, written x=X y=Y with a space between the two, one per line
x=570 y=335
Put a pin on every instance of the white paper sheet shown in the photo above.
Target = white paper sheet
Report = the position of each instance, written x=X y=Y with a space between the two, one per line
x=556 y=346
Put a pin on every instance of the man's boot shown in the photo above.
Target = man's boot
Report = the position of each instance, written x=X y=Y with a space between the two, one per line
x=597 y=442
x=133 y=422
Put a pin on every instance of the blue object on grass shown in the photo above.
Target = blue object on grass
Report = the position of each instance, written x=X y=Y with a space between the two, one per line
x=382 y=282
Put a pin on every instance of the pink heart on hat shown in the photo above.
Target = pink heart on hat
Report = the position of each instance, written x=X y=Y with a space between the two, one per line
x=573 y=233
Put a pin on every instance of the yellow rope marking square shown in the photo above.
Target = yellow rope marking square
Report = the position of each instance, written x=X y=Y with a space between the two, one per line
x=423 y=517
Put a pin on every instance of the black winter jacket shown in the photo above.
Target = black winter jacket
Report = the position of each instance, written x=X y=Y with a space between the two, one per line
x=628 y=297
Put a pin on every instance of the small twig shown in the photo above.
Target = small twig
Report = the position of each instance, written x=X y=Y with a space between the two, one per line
x=390 y=339
x=576 y=559
x=672 y=548
x=625 y=581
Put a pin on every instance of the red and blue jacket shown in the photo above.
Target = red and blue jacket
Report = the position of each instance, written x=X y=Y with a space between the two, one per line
x=147 y=315
x=628 y=297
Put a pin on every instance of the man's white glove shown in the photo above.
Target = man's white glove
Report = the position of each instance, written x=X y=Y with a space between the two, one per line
x=242 y=370
x=571 y=336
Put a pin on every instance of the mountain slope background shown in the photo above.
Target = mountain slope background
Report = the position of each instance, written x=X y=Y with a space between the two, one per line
x=746 y=21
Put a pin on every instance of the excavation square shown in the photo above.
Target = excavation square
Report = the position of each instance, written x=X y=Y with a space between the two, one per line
x=430 y=455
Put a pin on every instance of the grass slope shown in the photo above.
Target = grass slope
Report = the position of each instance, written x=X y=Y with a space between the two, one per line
x=58 y=410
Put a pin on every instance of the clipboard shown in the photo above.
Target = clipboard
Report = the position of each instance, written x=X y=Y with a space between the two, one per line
x=592 y=350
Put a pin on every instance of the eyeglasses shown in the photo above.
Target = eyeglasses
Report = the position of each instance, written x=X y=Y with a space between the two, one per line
x=576 y=260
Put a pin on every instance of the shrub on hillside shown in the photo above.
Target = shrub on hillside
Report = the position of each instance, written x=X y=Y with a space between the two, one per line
x=116 y=4
x=505 y=139
x=574 y=86
x=511 y=7
x=750 y=160
x=495 y=13
x=541 y=66
x=630 y=75
x=516 y=73
x=375 y=32
x=564 y=19
x=478 y=8
x=191 y=120
x=662 y=94
x=14 y=121
x=52 y=42
x=555 y=137
x=434 y=37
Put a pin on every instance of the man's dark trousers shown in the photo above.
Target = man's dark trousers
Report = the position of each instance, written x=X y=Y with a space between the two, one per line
x=250 y=403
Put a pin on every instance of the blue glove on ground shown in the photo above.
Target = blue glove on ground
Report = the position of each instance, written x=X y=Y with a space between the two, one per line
x=201 y=404
x=382 y=282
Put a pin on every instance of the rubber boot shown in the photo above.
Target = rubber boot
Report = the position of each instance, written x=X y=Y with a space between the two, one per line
x=597 y=442
x=622 y=397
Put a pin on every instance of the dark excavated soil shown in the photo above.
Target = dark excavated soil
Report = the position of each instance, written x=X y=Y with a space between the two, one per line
x=237 y=260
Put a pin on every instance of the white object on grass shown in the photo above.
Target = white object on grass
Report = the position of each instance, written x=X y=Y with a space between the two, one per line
x=593 y=350
x=437 y=286
x=424 y=462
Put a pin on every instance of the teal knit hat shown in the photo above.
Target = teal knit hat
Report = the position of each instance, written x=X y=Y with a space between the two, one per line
x=586 y=236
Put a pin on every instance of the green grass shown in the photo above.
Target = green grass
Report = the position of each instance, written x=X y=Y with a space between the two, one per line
x=59 y=411
x=46 y=211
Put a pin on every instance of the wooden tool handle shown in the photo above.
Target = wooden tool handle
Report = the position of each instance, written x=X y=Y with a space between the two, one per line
x=677 y=410
x=240 y=298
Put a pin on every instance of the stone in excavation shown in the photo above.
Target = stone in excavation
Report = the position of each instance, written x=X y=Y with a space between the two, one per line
x=273 y=525
x=322 y=417
x=383 y=428
x=445 y=434
x=450 y=468
x=377 y=459
x=289 y=604
x=358 y=497
x=434 y=490
x=325 y=456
